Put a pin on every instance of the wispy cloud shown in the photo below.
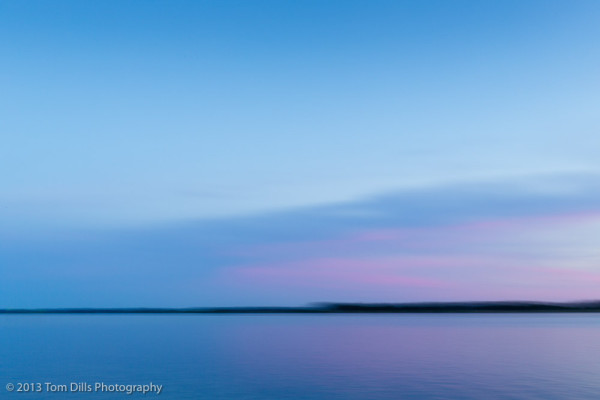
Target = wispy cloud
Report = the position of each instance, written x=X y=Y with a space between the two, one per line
x=500 y=239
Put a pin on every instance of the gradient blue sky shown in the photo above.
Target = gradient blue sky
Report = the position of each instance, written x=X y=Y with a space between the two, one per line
x=184 y=153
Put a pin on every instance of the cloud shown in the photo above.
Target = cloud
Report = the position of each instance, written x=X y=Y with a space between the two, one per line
x=438 y=240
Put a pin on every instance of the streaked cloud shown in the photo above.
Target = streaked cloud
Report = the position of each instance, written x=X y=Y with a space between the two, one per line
x=536 y=236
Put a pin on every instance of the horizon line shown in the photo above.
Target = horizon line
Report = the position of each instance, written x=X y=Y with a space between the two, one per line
x=337 y=308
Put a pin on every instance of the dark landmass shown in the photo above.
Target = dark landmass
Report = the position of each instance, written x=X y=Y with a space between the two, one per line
x=343 y=308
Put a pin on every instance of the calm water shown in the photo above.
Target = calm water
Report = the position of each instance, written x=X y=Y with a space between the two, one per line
x=307 y=356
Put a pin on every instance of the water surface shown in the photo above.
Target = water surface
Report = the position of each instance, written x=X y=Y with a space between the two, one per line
x=424 y=356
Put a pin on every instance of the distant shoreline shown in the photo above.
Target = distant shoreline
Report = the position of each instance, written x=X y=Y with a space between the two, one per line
x=343 y=308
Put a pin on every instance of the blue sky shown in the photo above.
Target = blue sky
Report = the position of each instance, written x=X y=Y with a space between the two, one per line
x=135 y=125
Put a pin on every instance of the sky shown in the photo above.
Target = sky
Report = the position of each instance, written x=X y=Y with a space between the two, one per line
x=230 y=153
